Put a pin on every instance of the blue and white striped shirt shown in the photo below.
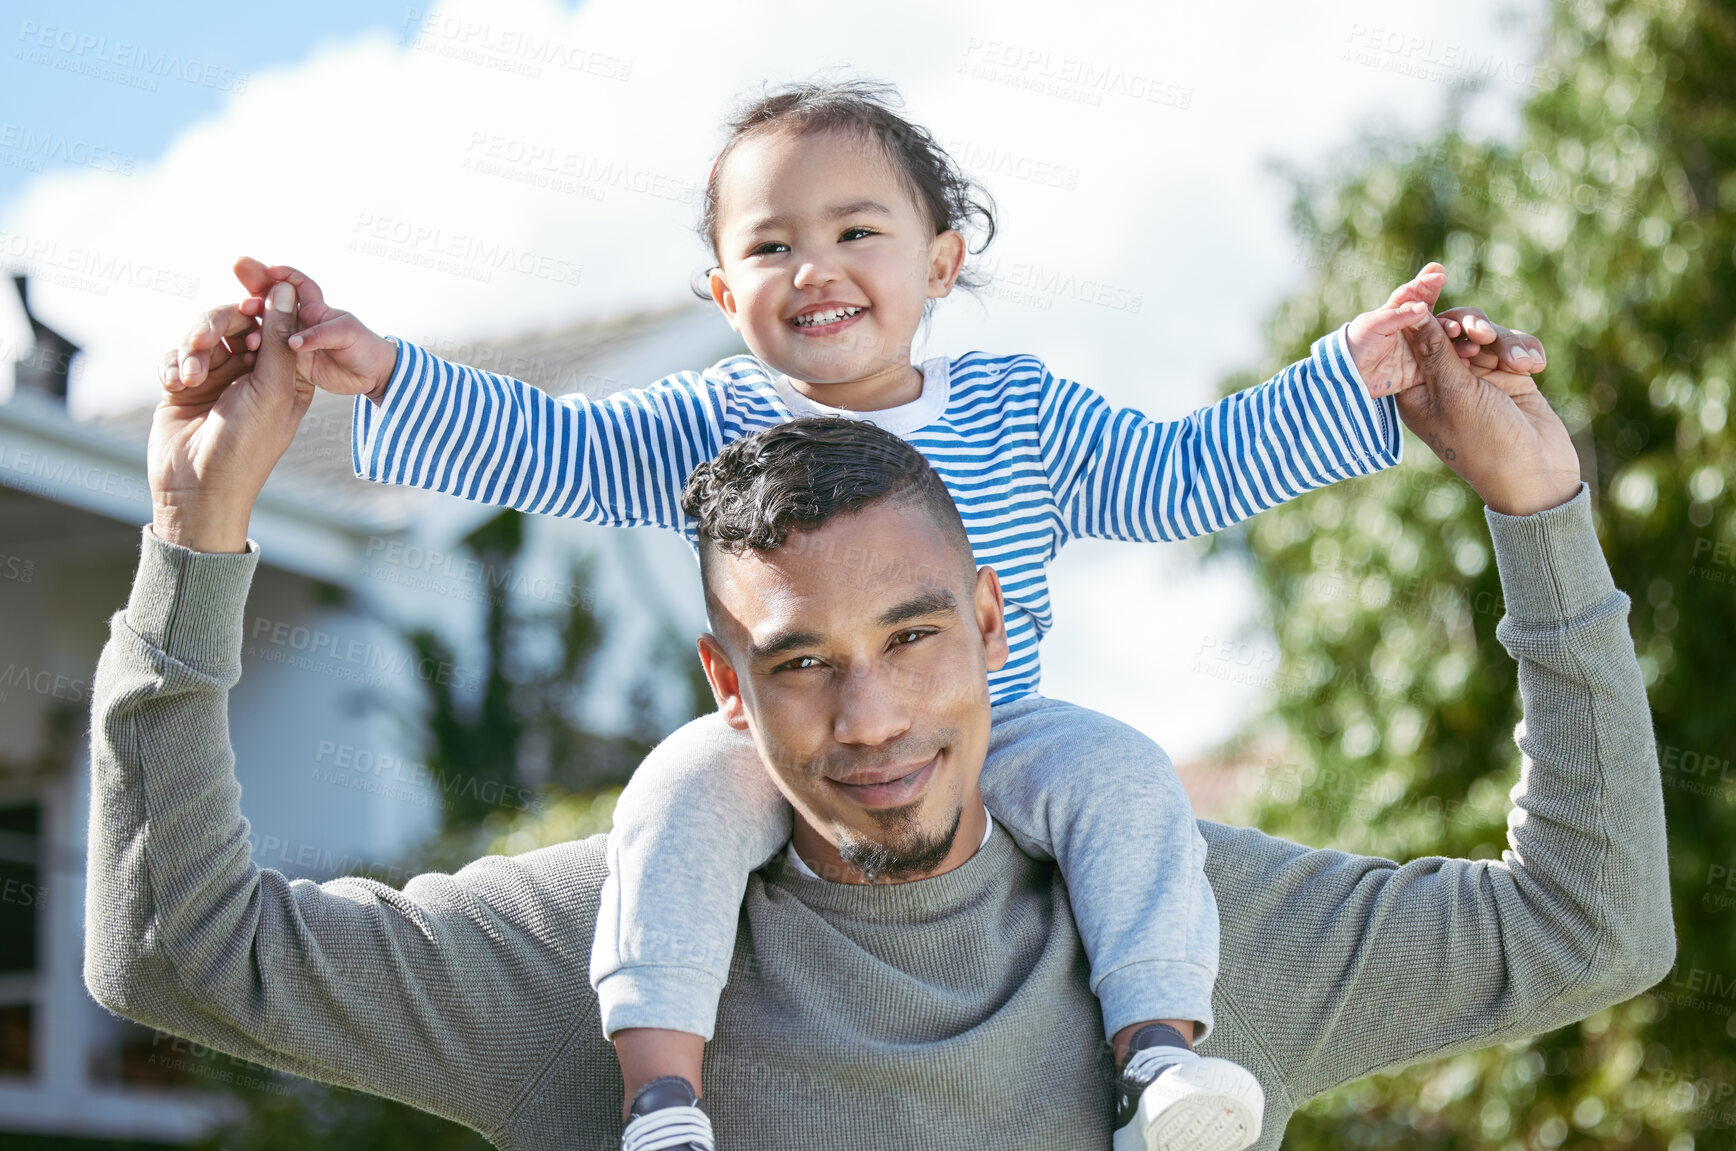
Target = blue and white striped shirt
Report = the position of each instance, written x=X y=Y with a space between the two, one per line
x=1031 y=459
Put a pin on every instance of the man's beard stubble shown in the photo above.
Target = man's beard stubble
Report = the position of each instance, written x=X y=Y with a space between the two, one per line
x=903 y=852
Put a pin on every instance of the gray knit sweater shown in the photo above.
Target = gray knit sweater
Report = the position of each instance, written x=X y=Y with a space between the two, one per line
x=951 y=1012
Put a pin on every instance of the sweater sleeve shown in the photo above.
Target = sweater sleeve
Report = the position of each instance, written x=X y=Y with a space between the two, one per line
x=454 y=994
x=1120 y=475
x=1346 y=965
x=621 y=460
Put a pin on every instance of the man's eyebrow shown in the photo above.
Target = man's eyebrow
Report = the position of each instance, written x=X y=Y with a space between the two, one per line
x=937 y=602
x=779 y=644
x=930 y=603
x=836 y=211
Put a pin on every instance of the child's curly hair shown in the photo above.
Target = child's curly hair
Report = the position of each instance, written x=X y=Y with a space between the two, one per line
x=953 y=200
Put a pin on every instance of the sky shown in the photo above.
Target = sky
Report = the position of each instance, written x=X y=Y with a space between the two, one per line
x=482 y=167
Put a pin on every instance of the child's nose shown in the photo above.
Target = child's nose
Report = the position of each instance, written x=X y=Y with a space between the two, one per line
x=813 y=272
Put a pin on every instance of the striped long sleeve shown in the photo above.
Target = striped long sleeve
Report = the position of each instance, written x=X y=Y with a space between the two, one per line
x=1031 y=459
x=621 y=460
x=1121 y=475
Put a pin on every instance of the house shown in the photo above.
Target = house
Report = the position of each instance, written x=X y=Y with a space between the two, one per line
x=327 y=761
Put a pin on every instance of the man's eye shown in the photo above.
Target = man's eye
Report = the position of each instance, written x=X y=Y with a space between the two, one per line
x=910 y=637
x=769 y=248
x=856 y=233
x=800 y=663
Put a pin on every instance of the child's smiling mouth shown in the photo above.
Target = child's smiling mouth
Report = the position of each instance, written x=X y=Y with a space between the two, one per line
x=827 y=318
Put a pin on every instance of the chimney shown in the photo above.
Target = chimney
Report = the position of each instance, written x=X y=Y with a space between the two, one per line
x=48 y=367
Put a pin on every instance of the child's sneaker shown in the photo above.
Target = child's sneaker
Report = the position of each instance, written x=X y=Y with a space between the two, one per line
x=1174 y=1100
x=665 y=1116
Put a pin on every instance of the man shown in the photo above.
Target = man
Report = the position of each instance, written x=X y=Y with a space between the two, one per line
x=942 y=1011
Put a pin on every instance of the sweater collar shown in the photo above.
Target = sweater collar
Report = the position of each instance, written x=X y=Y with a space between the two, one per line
x=995 y=862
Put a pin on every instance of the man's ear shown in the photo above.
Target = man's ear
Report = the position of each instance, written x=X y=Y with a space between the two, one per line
x=945 y=258
x=725 y=686
x=722 y=296
x=991 y=618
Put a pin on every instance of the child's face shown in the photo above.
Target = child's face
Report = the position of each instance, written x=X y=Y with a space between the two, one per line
x=809 y=225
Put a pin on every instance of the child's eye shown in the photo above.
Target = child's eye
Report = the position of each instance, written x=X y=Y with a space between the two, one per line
x=770 y=247
x=856 y=233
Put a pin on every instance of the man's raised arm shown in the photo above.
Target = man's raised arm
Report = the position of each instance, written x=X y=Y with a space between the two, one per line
x=455 y=995
x=1344 y=965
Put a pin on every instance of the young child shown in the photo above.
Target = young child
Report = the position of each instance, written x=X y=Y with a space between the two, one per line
x=835 y=223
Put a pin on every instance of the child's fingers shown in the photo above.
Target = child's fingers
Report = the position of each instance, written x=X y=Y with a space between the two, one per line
x=1394 y=318
x=257 y=278
x=310 y=300
x=1426 y=286
x=254 y=276
x=333 y=334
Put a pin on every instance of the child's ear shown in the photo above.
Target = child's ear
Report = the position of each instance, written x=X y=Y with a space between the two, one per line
x=945 y=259
x=723 y=297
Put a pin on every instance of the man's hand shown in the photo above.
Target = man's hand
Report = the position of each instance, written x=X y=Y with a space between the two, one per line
x=1378 y=346
x=1496 y=430
x=334 y=350
x=214 y=442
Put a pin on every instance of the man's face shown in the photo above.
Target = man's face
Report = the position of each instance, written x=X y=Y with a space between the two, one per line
x=857 y=656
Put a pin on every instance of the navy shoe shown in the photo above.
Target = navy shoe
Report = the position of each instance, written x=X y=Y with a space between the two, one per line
x=665 y=1116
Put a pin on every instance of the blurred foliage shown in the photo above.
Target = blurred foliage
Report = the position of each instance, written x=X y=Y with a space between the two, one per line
x=518 y=769
x=1607 y=229
x=527 y=728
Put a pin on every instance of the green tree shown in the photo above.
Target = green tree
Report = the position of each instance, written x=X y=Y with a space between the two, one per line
x=1607 y=229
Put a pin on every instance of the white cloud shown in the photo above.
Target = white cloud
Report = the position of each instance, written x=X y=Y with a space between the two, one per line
x=570 y=142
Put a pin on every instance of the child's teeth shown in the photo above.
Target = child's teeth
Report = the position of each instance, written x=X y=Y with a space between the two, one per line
x=827 y=317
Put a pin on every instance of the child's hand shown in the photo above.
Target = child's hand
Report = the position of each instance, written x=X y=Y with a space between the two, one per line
x=1376 y=338
x=1384 y=358
x=334 y=350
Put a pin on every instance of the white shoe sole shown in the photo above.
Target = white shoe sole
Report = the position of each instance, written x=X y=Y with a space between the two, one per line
x=1211 y=1105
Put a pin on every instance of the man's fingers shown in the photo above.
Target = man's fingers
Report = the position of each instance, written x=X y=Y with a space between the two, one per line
x=1473 y=323
x=275 y=366
x=1435 y=354
x=203 y=348
x=1520 y=352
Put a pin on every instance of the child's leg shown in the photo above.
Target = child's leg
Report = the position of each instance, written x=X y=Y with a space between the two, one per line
x=1103 y=801
x=698 y=815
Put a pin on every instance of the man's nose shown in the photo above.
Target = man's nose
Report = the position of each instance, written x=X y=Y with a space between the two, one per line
x=871 y=709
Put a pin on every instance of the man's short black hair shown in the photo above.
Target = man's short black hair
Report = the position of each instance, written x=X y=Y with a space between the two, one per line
x=798 y=475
